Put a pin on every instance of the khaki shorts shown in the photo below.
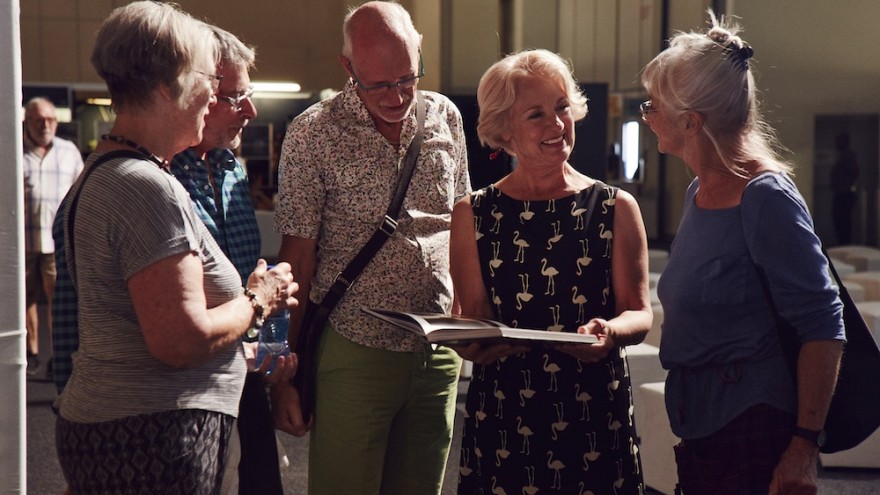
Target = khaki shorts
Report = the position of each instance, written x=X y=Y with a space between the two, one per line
x=37 y=268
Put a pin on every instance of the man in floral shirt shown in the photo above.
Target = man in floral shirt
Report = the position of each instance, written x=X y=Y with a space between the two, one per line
x=385 y=400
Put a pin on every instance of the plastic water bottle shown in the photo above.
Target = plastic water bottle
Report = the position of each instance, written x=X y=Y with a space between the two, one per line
x=273 y=339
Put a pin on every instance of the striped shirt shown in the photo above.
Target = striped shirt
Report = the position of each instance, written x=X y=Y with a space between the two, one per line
x=233 y=226
x=46 y=181
x=130 y=215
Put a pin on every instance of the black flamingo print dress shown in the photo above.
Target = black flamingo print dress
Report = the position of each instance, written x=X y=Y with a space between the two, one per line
x=544 y=420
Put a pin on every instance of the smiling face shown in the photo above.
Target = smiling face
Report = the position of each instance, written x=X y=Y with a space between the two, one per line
x=541 y=127
x=224 y=124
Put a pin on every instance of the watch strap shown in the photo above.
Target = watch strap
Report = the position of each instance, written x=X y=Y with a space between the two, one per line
x=815 y=437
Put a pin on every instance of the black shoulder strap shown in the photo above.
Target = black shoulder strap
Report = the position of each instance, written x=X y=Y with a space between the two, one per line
x=71 y=209
x=346 y=278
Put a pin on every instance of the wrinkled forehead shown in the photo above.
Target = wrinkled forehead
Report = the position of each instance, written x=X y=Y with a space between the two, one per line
x=39 y=111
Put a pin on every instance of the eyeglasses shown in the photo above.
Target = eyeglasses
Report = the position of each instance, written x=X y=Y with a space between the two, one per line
x=237 y=101
x=405 y=83
x=214 y=79
x=645 y=108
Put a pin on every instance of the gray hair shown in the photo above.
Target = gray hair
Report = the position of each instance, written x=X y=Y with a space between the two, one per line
x=37 y=100
x=232 y=50
x=144 y=44
x=710 y=73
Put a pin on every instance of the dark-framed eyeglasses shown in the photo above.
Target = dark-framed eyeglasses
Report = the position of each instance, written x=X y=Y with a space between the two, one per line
x=645 y=108
x=405 y=83
x=237 y=101
x=214 y=79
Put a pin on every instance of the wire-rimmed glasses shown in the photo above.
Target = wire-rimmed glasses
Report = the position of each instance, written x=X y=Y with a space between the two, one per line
x=237 y=101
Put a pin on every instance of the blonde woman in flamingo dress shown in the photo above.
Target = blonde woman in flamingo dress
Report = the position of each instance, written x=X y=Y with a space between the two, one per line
x=538 y=250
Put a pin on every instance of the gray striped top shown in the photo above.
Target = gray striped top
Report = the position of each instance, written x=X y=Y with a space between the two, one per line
x=130 y=215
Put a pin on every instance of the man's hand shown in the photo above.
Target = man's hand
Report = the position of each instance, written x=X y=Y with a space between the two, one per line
x=286 y=409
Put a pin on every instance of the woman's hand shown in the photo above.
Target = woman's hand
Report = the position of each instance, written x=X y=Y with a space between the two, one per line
x=284 y=370
x=796 y=473
x=591 y=353
x=274 y=288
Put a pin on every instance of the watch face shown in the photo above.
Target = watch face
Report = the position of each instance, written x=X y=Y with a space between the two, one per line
x=820 y=440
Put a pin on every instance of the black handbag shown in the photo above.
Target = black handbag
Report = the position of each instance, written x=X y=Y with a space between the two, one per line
x=316 y=315
x=854 y=413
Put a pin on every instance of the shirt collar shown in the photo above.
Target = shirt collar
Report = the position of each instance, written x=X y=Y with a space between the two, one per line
x=222 y=158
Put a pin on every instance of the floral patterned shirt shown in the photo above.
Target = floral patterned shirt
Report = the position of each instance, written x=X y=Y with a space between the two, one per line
x=337 y=175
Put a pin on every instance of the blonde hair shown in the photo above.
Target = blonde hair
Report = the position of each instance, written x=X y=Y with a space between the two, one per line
x=497 y=91
x=144 y=44
x=711 y=74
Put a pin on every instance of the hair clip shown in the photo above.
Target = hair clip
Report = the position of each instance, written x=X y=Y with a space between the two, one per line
x=740 y=55
x=493 y=155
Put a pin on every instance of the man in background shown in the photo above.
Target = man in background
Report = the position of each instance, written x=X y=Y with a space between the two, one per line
x=51 y=165
x=844 y=177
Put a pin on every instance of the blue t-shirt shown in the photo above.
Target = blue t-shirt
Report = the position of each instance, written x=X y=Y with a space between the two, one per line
x=720 y=342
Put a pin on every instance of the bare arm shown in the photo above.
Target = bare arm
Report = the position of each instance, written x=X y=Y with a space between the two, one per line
x=302 y=255
x=464 y=264
x=629 y=272
x=179 y=329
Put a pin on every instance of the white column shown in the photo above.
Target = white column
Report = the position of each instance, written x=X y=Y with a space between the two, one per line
x=13 y=431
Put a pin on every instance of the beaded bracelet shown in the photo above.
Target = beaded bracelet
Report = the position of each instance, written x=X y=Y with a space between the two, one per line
x=259 y=309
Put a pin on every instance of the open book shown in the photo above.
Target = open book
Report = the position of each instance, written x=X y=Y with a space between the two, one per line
x=440 y=328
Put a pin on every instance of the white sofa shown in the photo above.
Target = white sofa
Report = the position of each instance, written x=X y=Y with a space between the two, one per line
x=862 y=258
x=657 y=440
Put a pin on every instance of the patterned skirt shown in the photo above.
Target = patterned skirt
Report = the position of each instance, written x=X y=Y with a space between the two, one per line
x=173 y=452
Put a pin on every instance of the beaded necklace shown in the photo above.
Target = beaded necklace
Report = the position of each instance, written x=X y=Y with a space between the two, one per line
x=140 y=149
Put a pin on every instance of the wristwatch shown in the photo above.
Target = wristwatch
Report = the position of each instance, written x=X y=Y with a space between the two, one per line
x=816 y=437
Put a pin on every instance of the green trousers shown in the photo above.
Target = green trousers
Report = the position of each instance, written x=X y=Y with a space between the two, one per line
x=383 y=420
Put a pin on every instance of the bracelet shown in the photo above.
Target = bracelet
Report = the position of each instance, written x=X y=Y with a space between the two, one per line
x=259 y=309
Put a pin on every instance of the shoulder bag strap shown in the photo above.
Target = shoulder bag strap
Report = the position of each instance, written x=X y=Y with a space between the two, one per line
x=386 y=229
x=71 y=210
